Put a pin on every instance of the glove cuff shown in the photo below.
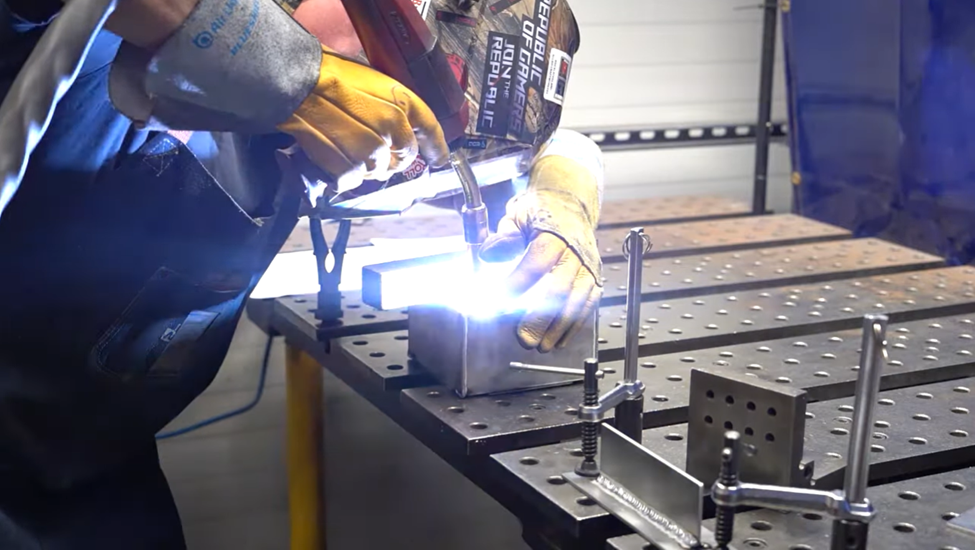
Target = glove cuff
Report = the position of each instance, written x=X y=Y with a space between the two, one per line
x=232 y=63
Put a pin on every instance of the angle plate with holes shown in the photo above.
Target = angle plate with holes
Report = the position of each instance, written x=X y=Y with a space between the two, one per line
x=915 y=513
x=919 y=430
x=824 y=365
x=697 y=275
x=770 y=417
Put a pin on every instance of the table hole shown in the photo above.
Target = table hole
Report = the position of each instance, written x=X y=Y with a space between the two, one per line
x=800 y=547
x=710 y=394
x=755 y=543
x=728 y=425
x=648 y=365
x=837 y=456
x=770 y=437
x=674 y=437
x=886 y=402
x=839 y=431
x=821 y=374
x=585 y=501
x=377 y=354
x=503 y=403
x=958 y=433
x=401 y=337
x=478 y=426
x=556 y=480
x=880 y=435
x=843 y=419
x=526 y=419
x=730 y=400
x=881 y=424
x=455 y=410
x=877 y=448
x=547 y=397
x=917 y=441
x=772 y=412
x=353 y=306
x=433 y=394
x=909 y=495
x=921 y=417
x=394 y=367
x=536 y=406
x=749 y=431
x=754 y=366
x=904 y=528
x=961 y=389
x=577 y=453
x=761 y=526
x=572 y=412
x=675 y=378
x=708 y=420
x=750 y=406
x=810 y=415
x=924 y=395
x=660 y=398
x=529 y=461
x=360 y=343
x=948 y=516
x=783 y=380
x=954 y=486
x=959 y=410
x=812 y=517
x=845 y=408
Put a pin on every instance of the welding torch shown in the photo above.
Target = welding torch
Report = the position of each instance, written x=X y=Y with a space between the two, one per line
x=399 y=43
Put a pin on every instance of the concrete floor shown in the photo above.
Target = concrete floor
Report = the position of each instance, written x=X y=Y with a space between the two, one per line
x=383 y=488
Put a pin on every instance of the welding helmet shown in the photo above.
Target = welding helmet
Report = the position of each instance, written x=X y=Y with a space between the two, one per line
x=513 y=59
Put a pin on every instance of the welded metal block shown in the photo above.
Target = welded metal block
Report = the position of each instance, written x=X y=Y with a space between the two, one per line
x=771 y=417
x=471 y=354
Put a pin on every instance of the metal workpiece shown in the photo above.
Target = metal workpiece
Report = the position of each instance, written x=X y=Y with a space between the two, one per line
x=823 y=365
x=568 y=371
x=681 y=239
x=911 y=514
x=654 y=498
x=771 y=415
x=471 y=354
x=918 y=430
x=669 y=278
x=724 y=319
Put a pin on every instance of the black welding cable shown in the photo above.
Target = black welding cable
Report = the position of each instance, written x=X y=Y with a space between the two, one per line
x=50 y=70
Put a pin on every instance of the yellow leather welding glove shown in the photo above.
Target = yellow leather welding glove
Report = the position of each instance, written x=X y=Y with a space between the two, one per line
x=249 y=67
x=555 y=220
x=359 y=124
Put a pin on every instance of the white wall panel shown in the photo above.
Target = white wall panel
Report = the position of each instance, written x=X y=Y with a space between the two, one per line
x=656 y=63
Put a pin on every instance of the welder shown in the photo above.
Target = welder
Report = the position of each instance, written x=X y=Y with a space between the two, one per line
x=130 y=248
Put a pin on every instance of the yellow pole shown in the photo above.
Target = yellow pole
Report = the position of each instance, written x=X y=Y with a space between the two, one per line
x=306 y=459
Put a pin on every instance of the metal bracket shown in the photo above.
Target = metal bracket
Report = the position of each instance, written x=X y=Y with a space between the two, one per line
x=655 y=498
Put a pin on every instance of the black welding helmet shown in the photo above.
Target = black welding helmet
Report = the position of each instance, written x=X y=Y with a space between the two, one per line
x=513 y=59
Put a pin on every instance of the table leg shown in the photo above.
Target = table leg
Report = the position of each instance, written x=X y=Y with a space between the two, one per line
x=306 y=459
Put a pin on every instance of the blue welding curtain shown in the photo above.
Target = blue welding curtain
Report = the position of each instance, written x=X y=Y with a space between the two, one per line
x=882 y=111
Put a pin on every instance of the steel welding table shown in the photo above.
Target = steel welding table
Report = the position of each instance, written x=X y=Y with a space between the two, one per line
x=778 y=297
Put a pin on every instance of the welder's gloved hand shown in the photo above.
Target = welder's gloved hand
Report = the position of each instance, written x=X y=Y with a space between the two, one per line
x=359 y=124
x=555 y=219
x=249 y=67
